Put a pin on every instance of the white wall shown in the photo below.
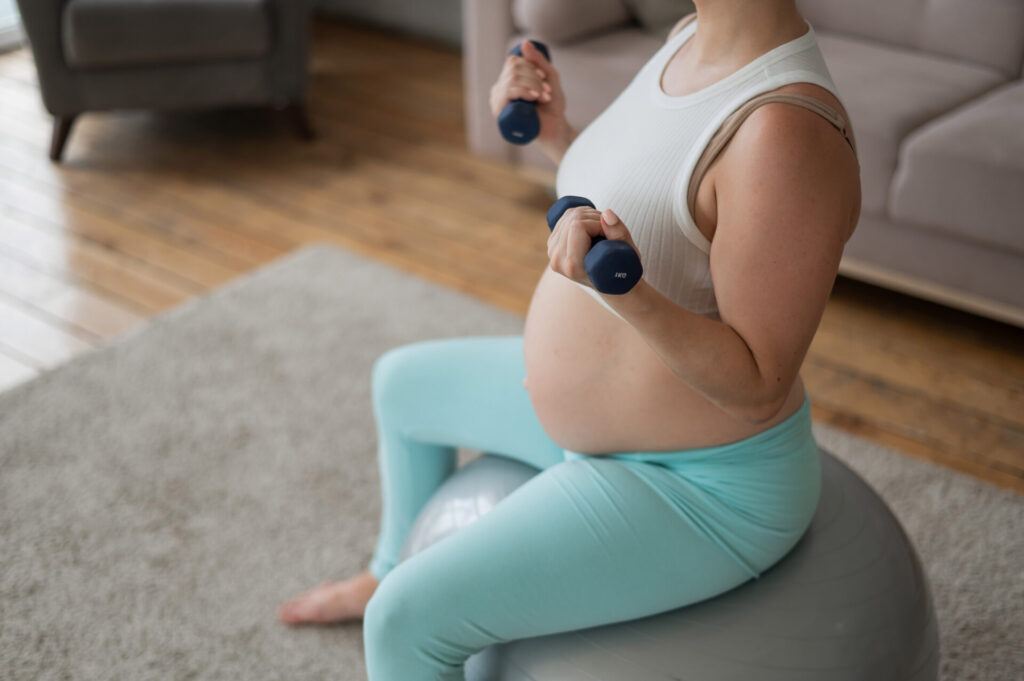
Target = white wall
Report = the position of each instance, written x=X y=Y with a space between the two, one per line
x=10 y=27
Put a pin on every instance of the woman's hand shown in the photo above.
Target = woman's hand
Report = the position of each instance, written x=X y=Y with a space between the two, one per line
x=533 y=78
x=571 y=239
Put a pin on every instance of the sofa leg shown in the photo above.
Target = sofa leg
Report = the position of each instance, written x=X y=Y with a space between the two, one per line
x=61 y=131
x=298 y=118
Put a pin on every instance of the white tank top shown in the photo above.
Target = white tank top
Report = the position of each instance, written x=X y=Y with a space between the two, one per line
x=638 y=155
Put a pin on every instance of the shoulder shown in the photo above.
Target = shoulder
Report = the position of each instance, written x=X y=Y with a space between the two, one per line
x=798 y=155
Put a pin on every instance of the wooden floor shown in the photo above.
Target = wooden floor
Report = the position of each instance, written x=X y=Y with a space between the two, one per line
x=151 y=210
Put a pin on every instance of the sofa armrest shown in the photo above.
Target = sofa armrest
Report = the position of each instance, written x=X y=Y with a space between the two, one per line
x=486 y=28
x=562 y=21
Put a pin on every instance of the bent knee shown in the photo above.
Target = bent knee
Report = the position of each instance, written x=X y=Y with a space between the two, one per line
x=399 y=374
x=391 y=365
x=405 y=613
x=423 y=367
x=420 y=357
x=403 y=603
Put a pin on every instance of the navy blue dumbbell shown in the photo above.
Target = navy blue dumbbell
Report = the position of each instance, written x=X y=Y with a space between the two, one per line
x=613 y=266
x=518 y=121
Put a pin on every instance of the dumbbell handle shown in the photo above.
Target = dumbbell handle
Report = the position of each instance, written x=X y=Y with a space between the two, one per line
x=518 y=121
x=613 y=266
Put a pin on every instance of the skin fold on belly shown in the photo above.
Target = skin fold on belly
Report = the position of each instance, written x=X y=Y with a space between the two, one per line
x=598 y=388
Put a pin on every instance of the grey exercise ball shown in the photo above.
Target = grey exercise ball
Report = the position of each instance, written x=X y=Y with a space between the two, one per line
x=467 y=494
x=850 y=602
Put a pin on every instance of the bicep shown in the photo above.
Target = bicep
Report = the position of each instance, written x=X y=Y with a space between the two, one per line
x=783 y=198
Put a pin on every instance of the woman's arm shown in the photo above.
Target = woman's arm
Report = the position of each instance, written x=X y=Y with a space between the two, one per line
x=556 y=144
x=787 y=193
x=532 y=77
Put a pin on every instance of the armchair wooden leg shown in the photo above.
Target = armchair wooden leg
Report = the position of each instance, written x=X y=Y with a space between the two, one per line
x=298 y=118
x=61 y=131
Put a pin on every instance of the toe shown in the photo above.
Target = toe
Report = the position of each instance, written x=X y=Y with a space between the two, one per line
x=291 y=611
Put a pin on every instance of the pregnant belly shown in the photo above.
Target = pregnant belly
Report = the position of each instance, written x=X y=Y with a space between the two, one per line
x=597 y=387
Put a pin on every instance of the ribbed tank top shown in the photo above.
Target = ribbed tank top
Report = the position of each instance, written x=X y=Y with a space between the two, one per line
x=638 y=155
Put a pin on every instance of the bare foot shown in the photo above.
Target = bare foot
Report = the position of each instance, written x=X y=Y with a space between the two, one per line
x=330 y=602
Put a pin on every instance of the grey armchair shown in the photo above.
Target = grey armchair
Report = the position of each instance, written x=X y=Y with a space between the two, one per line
x=94 y=55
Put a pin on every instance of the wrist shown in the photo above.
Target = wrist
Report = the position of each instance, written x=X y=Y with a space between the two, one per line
x=636 y=302
x=555 y=145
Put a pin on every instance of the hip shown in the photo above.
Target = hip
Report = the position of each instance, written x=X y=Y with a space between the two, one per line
x=755 y=496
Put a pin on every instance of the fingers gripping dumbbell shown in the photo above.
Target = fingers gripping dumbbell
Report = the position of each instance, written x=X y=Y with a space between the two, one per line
x=518 y=121
x=613 y=266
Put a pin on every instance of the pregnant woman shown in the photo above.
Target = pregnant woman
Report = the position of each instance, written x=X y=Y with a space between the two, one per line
x=670 y=423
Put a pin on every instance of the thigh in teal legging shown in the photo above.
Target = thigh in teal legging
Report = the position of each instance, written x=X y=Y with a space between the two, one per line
x=589 y=540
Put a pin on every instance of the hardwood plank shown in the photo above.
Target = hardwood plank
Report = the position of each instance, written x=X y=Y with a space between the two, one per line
x=74 y=306
x=23 y=283
x=43 y=343
x=356 y=202
x=368 y=180
x=108 y=271
x=248 y=224
x=941 y=336
x=356 y=212
x=44 y=208
x=145 y=204
x=876 y=359
x=391 y=144
x=300 y=219
x=840 y=418
x=14 y=372
x=931 y=422
x=146 y=199
x=98 y=315
x=18 y=65
x=266 y=219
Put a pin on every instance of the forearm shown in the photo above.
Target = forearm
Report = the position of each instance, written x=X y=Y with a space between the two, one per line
x=707 y=355
x=555 y=145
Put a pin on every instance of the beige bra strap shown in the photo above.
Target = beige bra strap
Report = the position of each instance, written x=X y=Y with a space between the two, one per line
x=732 y=123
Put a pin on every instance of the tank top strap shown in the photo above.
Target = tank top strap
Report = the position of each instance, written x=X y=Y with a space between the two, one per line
x=731 y=124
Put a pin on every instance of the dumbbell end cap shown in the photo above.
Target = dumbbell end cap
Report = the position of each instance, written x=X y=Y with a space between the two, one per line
x=613 y=267
x=563 y=204
x=518 y=122
x=518 y=49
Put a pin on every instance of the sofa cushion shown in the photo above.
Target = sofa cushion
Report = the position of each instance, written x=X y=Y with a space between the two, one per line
x=567 y=20
x=984 y=32
x=964 y=172
x=659 y=16
x=888 y=92
x=105 y=33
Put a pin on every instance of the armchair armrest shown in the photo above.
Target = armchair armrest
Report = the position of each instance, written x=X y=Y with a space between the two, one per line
x=287 y=64
x=42 y=21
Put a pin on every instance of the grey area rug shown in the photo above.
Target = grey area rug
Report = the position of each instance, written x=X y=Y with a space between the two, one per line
x=160 y=496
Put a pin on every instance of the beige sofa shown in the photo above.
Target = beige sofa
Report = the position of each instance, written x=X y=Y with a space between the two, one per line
x=935 y=94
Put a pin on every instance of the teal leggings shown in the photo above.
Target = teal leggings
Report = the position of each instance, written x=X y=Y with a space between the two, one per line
x=588 y=541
